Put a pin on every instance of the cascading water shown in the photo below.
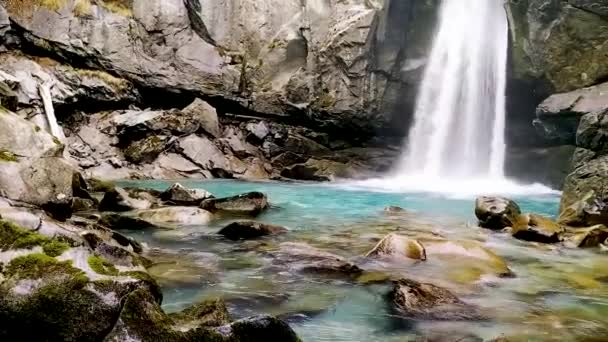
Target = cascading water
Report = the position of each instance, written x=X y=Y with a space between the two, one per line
x=459 y=124
x=456 y=145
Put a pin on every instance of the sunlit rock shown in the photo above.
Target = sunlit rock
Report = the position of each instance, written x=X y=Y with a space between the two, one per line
x=180 y=195
x=533 y=227
x=176 y=215
x=397 y=246
x=252 y=204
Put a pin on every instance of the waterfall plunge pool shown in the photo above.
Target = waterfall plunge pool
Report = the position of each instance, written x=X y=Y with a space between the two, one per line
x=556 y=293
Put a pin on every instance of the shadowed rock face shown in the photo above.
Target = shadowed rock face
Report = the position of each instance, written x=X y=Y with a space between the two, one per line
x=244 y=230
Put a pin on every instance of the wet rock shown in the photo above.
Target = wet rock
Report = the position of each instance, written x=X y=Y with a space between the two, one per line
x=176 y=215
x=496 y=212
x=245 y=230
x=123 y=221
x=394 y=210
x=180 y=195
x=252 y=204
x=181 y=271
x=397 y=246
x=588 y=237
x=429 y=302
x=206 y=116
x=119 y=199
x=305 y=258
x=533 y=227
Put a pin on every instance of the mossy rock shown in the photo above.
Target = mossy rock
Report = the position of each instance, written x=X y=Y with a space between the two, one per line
x=6 y=156
x=15 y=237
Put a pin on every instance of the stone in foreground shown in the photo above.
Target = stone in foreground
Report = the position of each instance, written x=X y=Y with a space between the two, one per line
x=496 y=212
x=251 y=204
x=245 y=230
x=415 y=300
x=533 y=227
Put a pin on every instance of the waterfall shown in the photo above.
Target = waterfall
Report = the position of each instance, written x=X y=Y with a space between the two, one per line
x=459 y=122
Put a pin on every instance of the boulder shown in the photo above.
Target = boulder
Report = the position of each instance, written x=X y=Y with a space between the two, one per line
x=245 y=230
x=146 y=150
x=589 y=210
x=425 y=301
x=397 y=246
x=122 y=221
x=8 y=98
x=251 y=204
x=496 y=212
x=134 y=124
x=588 y=237
x=206 y=116
x=59 y=208
x=586 y=185
x=301 y=145
x=258 y=328
x=318 y=170
x=180 y=195
x=176 y=215
x=119 y=199
x=302 y=257
x=533 y=227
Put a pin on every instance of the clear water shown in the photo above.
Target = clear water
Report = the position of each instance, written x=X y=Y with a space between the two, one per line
x=557 y=293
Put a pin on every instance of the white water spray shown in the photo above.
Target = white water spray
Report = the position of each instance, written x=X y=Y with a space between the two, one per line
x=457 y=142
x=459 y=123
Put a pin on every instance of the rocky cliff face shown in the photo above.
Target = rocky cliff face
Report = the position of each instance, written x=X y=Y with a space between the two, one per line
x=557 y=46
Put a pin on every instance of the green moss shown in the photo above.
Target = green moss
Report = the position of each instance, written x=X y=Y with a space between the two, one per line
x=56 y=141
x=8 y=156
x=37 y=128
x=102 y=266
x=39 y=265
x=55 y=248
x=15 y=237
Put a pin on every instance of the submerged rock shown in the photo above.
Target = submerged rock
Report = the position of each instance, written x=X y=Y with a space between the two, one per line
x=245 y=230
x=252 y=204
x=496 y=212
x=533 y=227
x=429 y=302
x=176 y=215
x=258 y=328
x=180 y=195
x=394 y=245
x=305 y=258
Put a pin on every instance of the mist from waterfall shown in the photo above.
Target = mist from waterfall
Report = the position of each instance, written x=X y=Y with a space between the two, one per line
x=459 y=122
x=456 y=144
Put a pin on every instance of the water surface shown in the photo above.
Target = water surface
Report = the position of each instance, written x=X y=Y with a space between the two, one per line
x=556 y=294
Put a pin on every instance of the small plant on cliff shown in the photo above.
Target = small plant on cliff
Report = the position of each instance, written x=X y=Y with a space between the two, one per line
x=120 y=7
x=8 y=156
x=82 y=8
